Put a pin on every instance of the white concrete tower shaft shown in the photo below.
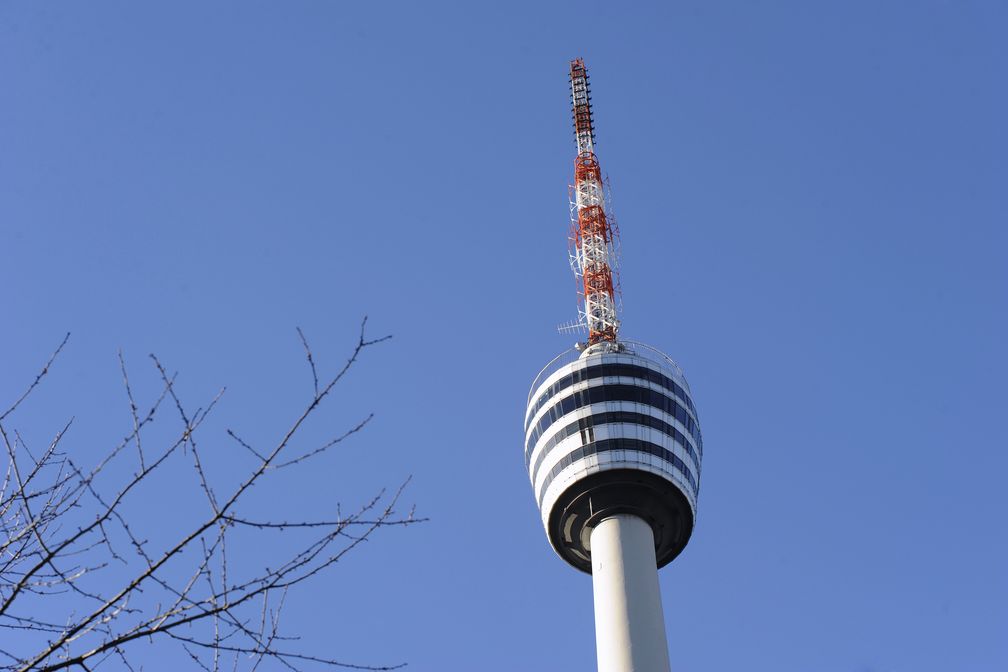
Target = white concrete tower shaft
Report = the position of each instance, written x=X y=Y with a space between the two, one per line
x=629 y=624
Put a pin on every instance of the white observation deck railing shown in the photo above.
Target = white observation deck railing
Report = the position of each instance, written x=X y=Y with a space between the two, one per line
x=634 y=348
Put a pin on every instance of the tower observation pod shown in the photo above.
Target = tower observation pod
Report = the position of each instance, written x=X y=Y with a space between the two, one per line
x=612 y=441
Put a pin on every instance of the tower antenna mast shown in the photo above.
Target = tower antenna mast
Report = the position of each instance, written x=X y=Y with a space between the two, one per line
x=593 y=252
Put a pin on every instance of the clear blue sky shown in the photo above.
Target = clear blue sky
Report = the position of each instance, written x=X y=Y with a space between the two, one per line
x=813 y=204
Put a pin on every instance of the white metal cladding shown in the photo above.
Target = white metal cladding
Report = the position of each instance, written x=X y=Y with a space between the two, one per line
x=612 y=431
x=615 y=459
x=543 y=399
x=549 y=480
x=603 y=406
x=633 y=349
x=604 y=462
x=630 y=429
x=545 y=403
x=593 y=361
x=559 y=421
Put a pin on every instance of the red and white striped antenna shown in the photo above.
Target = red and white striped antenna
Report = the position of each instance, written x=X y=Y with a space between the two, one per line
x=593 y=239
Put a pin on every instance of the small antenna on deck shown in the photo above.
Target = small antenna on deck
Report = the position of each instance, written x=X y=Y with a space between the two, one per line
x=572 y=327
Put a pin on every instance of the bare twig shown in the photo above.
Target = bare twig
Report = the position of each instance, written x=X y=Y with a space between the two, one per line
x=311 y=360
x=133 y=408
x=40 y=376
x=59 y=529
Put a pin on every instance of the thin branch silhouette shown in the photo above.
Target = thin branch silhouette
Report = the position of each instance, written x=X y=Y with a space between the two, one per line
x=64 y=527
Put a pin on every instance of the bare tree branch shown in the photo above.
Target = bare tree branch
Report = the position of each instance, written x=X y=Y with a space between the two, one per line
x=41 y=375
x=60 y=529
x=133 y=408
x=311 y=361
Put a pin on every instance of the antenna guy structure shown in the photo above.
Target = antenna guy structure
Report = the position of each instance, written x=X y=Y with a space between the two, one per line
x=612 y=441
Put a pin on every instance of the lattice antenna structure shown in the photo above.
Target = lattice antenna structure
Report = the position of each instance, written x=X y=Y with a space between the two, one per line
x=593 y=237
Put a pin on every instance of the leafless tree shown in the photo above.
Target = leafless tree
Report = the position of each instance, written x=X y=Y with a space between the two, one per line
x=82 y=584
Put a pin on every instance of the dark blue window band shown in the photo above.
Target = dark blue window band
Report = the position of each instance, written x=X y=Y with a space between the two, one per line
x=585 y=426
x=607 y=445
x=600 y=393
x=601 y=370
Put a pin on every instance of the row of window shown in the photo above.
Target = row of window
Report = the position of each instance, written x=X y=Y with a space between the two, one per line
x=592 y=395
x=609 y=445
x=601 y=370
x=586 y=427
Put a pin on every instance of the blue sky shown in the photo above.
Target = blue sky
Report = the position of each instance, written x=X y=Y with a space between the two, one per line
x=812 y=199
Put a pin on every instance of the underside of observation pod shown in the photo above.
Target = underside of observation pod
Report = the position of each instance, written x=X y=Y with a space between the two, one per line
x=594 y=498
x=612 y=430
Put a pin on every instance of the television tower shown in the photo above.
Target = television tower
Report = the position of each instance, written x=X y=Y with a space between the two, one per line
x=612 y=441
